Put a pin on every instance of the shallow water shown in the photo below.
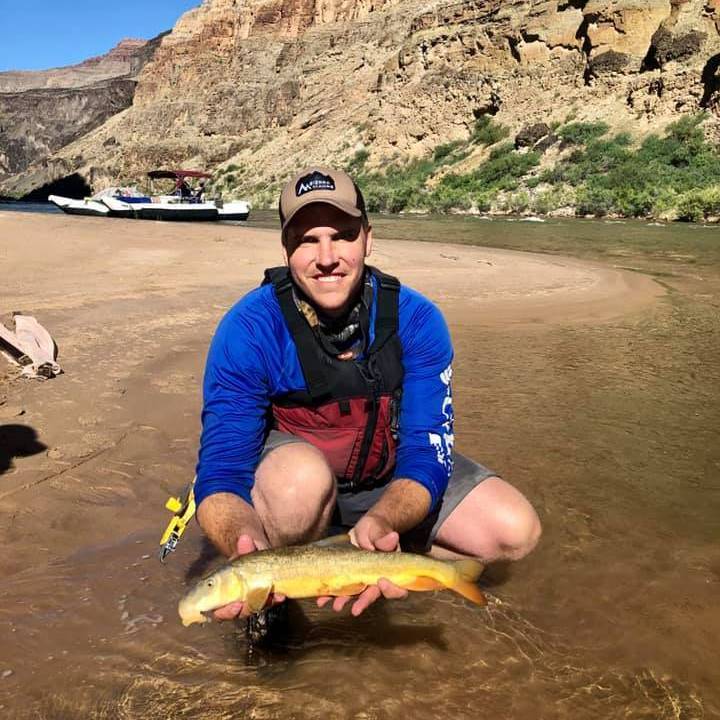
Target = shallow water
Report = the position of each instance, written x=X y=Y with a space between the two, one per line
x=613 y=432
x=31 y=207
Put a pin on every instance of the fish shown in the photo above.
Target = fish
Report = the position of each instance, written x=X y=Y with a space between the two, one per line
x=329 y=567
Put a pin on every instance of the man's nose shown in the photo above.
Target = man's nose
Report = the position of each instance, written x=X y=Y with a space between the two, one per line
x=326 y=253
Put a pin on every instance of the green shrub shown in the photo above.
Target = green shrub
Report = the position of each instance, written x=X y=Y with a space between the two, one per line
x=697 y=205
x=594 y=201
x=581 y=133
x=504 y=167
x=488 y=132
x=443 y=152
x=357 y=162
x=517 y=202
x=552 y=199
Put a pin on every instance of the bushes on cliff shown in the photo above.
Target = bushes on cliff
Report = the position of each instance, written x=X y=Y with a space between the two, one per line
x=488 y=132
x=697 y=205
x=404 y=187
x=581 y=133
x=397 y=188
x=612 y=177
x=669 y=176
x=501 y=171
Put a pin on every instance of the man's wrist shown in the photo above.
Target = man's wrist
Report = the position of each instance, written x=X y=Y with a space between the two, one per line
x=403 y=505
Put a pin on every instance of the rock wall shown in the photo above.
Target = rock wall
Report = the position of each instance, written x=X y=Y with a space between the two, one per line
x=41 y=112
x=273 y=84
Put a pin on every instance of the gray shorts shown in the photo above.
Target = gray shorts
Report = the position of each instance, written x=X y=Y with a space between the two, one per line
x=351 y=506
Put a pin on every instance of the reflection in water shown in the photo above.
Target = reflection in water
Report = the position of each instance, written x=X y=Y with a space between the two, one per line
x=611 y=429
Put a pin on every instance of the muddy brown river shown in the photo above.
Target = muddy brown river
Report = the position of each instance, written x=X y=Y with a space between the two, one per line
x=610 y=426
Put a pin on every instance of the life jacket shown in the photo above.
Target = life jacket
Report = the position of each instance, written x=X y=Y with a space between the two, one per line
x=349 y=409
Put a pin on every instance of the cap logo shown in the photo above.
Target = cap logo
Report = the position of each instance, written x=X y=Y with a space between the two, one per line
x=314 y=181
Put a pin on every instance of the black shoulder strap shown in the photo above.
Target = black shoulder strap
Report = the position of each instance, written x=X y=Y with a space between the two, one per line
x=277 y=276
x=387 y=313
x=305 y=342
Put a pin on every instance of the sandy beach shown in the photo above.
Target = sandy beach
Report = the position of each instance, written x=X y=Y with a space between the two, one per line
x=92 y=455
x=132 y=306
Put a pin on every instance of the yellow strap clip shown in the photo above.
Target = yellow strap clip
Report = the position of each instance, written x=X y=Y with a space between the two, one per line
x=183 y=508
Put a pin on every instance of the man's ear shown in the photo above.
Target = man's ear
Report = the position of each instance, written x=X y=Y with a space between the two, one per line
x=368 y=241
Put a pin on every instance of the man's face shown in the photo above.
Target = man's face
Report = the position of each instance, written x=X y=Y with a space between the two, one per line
x=325 y=250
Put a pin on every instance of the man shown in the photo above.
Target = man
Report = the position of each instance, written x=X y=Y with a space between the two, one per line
x=327 y=402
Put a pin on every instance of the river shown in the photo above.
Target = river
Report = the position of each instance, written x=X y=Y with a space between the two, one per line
x=611 y=428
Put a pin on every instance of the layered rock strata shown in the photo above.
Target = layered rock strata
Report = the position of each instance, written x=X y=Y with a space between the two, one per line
x=41 y=112
x=272 y=84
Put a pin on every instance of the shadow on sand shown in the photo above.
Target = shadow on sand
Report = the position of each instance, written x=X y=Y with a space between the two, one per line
x=17 y=441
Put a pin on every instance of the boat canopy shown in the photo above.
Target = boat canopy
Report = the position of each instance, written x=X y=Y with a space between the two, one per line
x=176 y=174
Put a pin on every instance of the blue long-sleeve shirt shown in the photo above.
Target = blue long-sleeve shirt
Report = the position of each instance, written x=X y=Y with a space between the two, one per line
x=252 y=358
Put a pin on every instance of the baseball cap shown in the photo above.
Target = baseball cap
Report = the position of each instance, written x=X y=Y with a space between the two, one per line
x=320 y=185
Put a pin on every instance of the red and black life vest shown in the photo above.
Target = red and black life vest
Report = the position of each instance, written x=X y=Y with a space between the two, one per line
x=349 y=408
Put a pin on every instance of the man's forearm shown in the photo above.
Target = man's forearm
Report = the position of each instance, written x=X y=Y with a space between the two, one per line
x=224 y=517
x=403 y=504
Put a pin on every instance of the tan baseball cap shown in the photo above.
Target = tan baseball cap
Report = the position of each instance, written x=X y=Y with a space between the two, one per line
x=320 y=185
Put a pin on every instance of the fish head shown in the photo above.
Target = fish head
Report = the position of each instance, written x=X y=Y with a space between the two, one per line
x=213 y=591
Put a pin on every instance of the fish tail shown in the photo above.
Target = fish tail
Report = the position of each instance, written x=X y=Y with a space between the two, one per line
x=467 y=572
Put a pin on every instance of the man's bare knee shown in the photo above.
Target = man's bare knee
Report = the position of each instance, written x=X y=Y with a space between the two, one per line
x=520 y=532
x=294 y=493
x=494 y=522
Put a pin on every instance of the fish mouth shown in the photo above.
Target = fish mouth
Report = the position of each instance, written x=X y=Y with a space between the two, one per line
x=190 y=615
x=194 y=617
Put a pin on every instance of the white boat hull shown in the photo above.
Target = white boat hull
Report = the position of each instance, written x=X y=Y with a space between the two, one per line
x=167 y=209
x=87 y=206
x=236 y=210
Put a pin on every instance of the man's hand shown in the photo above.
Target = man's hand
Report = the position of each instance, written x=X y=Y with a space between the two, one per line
x=370 y=533
x=245 y=545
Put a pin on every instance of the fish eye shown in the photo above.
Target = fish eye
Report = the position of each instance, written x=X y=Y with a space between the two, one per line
x=210 y=582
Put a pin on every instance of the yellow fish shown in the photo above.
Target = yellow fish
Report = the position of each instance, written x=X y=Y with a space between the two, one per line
x=330 y=567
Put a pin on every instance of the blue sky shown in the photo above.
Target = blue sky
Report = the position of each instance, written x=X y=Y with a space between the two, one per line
x=40 y=34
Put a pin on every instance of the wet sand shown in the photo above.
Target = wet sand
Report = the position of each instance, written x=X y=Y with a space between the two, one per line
x=89 y=458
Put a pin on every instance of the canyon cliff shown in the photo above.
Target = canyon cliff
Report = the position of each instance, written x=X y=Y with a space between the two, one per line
x=42 y=111
x=269 y=85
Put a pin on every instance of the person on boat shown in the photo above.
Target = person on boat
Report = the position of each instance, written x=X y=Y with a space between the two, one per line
x=182 y=189
x=200 y=192
x=328 y=403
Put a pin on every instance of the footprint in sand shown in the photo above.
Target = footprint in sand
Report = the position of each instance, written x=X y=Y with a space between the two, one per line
x=174 y=383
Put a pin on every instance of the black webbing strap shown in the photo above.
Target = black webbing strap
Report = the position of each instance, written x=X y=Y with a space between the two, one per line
x=386 y=315
x=305 y=341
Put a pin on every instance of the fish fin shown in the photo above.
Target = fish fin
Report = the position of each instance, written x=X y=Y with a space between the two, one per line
x=469 y=591
x=421 y=582
x=469 y=570
x=352 y=589
x=257 y=597
x=333 y=540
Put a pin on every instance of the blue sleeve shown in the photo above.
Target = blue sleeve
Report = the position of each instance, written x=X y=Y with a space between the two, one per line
x=426 y=414
x=235 y=405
